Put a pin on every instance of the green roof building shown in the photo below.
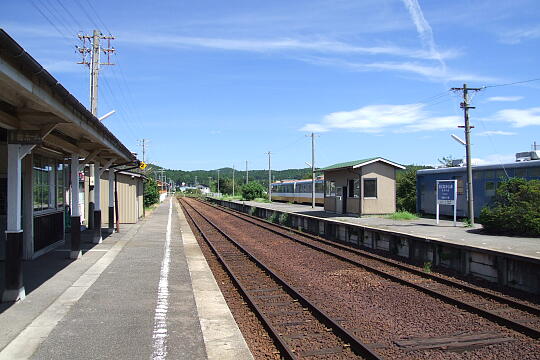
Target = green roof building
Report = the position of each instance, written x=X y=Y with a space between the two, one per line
x=361 y=187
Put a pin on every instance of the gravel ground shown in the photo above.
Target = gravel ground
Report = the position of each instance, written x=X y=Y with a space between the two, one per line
x=379 y=311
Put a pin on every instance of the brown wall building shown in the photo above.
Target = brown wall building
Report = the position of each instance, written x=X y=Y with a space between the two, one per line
x=362 y=187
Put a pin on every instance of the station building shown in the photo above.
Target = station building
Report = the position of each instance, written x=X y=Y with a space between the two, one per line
x=51 y=149
x=486 y=179
x=361 y=187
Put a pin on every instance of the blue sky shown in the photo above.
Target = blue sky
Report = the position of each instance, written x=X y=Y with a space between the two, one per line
x=214 y=83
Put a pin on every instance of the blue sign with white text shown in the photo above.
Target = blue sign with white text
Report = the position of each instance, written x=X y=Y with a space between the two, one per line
x=446 y=192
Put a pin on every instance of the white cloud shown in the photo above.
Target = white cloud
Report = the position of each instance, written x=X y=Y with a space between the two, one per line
x=505 y=98
x=493 y=159
x=519 y=117
x=283 y=44
x=434 y=73
x=378 y=118
x=519 y=35
x=496 y=132
x=424 y=30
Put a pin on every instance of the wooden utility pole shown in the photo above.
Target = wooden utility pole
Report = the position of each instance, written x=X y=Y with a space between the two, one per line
x=465 y=106
x=269 y=176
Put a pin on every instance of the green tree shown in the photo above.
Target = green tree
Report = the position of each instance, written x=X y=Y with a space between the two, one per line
x=151 y=193
x=252 y=190
x=514 y=209
x=406 y=190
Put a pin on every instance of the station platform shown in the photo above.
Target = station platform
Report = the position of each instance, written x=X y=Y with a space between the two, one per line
x=445 y=232
x=144 y=293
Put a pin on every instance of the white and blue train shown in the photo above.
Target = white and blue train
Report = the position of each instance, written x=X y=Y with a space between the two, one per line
x=298 y=191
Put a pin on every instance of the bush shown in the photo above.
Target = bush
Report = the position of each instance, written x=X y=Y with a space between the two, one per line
x=406 y=191
x=514 y=210
x=252 y=190
x=150 y=193
x=284 y=219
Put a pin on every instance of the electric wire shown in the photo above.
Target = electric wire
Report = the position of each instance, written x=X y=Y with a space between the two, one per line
x=509 y=84
x=51 y=22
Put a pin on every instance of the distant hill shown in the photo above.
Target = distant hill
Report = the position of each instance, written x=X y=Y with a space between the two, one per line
x=203 y=176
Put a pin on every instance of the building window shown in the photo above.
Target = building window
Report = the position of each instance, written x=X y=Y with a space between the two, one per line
x=357 y=188
x=60 y=185
x=460 y=185
x=477 y=175
x=319 y=188
x=43 y=181
x=370 y=188
x=500 y=174
x=490 y=188
x=330 y=188
x=490 y=174
x=520 y=172
x=534 y=172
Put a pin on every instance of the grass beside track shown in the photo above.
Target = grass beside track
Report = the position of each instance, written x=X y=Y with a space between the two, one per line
x=402 y=215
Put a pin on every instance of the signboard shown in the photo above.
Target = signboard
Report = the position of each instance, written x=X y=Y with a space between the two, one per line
x=447 y=195
x=446 y=192
x=142 y=165
x=24 y=137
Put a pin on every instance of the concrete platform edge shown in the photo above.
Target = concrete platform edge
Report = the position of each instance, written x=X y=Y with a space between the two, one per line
x=222 y=337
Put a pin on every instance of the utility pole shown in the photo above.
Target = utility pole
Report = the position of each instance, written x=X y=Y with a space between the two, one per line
x=196 y=180
x=269 y=176
x=247 y=173
x=92 y=47
x=218 y=181
x=161 y=178
x=233 y=180
x=142 y=143
x=465 y=106
x=312 y=169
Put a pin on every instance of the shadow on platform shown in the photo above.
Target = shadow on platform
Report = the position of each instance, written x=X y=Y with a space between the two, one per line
x=38 y=271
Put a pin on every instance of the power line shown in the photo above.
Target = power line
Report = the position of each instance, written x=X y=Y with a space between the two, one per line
x=513 y=83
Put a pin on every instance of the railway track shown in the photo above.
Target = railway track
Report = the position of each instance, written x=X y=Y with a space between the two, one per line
x=517 y=315
x=299 y=327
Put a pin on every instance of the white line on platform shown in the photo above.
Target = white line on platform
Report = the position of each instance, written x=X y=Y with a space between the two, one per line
x=162 y=306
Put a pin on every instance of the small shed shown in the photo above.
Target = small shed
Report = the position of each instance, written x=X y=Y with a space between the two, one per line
x=361 y=187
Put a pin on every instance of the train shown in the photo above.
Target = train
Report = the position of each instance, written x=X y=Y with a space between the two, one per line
x=298 y=191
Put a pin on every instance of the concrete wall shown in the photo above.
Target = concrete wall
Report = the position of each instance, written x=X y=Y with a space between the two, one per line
x=508 y=270
x=385 y=203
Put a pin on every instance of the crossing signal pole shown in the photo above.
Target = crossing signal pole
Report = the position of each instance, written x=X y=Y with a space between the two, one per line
x=465 y=106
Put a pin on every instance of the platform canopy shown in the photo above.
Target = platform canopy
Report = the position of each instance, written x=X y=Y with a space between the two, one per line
x=40 y=109
x=359 y=163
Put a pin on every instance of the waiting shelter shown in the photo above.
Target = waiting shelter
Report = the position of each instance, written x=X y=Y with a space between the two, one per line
x=361 y=187
x=47 y=140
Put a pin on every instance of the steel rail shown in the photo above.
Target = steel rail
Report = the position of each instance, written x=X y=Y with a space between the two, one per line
x=535 y=310
x=356 y=345
x=492 y=316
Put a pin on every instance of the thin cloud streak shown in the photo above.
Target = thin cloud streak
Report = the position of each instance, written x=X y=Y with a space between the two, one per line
x=496 y=132
x=434 y=73
x=284 y=44
x=424 y=30
x=504 y=98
